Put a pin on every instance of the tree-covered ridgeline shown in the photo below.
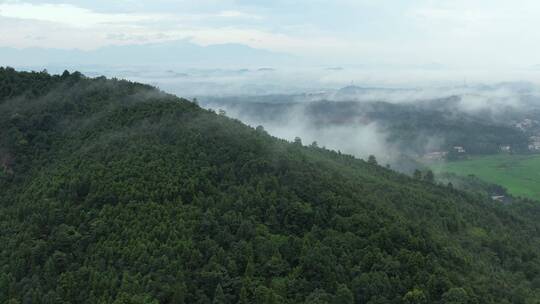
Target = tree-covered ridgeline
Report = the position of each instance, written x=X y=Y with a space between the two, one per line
x=115 y=192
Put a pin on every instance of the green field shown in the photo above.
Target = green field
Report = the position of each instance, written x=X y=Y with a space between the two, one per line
x=520 y=174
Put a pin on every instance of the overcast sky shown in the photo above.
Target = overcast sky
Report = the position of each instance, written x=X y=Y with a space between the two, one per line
x=463 y=33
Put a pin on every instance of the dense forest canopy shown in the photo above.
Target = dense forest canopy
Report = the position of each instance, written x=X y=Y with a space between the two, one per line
x=115 y=192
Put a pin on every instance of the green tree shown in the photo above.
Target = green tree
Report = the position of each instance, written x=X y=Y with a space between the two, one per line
x=429 y=176
x=260 y=129
x=243 y=297
x=179 y=293
x=125 y=298
x=250 y=269
x=372 y=160
x=455 y=296
x=219 y=296
x=318 y=296
x=343 y=295
x=270 y=297
x=415 y=296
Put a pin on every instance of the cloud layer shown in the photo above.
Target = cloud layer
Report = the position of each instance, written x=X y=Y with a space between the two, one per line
x=458 y=33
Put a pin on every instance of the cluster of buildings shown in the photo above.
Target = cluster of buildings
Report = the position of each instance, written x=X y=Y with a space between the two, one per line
x=525 y=124
x=459 y=149
x=534 y=143
x=435 y=156
x=530 y=125
x=442 y=155
x=505 y=148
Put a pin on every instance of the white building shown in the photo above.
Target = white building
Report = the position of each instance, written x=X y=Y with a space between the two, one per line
x=437 y=155
x=505 y=148
x=459 y=149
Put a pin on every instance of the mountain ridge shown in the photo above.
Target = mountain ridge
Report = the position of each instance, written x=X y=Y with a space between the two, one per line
x=179 y=53
x=120 y=193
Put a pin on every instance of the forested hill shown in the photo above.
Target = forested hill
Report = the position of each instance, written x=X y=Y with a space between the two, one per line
x=114 y=192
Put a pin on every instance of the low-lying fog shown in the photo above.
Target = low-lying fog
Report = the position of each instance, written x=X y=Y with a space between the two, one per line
x=456 y=94
x=263 y=80
x=486 y=97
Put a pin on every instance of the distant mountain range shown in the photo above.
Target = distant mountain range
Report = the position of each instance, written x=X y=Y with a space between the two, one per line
x=173 y=53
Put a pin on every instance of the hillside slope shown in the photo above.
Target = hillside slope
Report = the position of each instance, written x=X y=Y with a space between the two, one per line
x=114 y=192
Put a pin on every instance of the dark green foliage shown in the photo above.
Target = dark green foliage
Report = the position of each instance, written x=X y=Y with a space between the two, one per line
x=455 y=296
x=114 y=192
x=471 y=183
x=429 y=176
x=415 y=296
x=219 y=296
x=343 y=295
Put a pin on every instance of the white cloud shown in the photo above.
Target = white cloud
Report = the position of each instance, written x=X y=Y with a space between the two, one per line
x=69 y=26
x=238 y=14
x=70 y=15
x=455 y=33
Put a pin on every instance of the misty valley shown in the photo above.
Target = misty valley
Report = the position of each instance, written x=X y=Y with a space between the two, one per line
x=412 y=129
